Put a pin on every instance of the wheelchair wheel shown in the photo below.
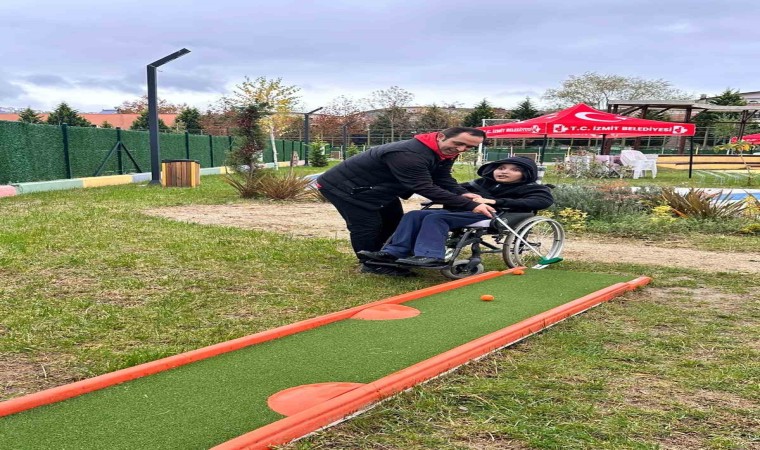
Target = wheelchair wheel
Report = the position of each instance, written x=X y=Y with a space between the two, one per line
x=545 y=235
x=458 y=269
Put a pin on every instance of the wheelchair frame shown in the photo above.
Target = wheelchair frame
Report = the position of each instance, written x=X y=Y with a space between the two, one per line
x=545 y=239
x=546 y=236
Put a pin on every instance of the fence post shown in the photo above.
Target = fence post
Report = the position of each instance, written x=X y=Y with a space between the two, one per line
x=187 y=145
x=211 y=148
x=66 y=158
x=118 y=152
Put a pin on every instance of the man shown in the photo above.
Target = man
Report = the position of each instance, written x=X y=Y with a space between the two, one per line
x=365 y=188
x=420 y=239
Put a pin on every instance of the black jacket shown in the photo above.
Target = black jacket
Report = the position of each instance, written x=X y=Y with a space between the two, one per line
x=524 y=196
x=378 y=176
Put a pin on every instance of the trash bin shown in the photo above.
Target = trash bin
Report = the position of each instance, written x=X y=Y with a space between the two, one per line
x=180 y=173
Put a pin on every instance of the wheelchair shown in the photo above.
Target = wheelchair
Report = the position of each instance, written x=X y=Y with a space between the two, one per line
x=522 y=240
x=533 y=241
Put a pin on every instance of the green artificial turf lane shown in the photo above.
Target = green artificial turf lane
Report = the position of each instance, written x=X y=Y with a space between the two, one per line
x=211 y=401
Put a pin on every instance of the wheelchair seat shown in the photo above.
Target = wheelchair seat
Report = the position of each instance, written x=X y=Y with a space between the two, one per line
x=512 y=219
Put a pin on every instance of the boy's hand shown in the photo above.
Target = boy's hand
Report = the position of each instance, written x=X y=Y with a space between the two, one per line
x=485 y=210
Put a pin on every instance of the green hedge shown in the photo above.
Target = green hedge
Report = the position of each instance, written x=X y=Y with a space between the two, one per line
x=30 y=152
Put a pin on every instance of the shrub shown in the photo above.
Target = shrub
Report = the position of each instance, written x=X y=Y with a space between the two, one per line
x=317 y=156
x=282 y=187
x=244 y=160
x=606 y=200
x=641 y=226
x=696 y=203
x=662 y=213
x=580 y=167
x=352 y=150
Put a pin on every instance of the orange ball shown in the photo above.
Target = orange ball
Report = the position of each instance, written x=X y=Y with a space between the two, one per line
x=486 y=298
x=518 y=272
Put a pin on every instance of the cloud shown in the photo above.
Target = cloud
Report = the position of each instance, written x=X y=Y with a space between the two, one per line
x=10 y=92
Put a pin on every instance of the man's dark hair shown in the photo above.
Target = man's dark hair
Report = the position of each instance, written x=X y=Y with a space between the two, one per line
x=453 y=131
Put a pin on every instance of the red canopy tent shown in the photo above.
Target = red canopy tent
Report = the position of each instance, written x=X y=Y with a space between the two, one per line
x=753 y=139
x=583 y=121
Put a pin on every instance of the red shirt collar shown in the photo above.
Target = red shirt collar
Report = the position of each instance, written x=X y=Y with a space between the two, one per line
x=431 y=141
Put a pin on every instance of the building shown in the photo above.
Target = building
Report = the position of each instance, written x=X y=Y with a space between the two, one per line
x=123 y=121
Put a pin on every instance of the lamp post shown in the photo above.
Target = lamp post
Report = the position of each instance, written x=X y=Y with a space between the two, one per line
x=155 y=167
x=306 y=133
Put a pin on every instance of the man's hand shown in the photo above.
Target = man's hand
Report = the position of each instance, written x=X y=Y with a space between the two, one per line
x=485 y=210
x=487 y=201
x=471 y=195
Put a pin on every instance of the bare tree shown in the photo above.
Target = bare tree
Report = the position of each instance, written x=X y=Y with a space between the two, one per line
x=139 y=105
x=340 y=112
x=596 y=90
x=394 y=101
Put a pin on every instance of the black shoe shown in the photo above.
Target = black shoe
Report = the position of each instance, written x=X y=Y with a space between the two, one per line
x=384 y=270
x=425 y=261
x=378 y=256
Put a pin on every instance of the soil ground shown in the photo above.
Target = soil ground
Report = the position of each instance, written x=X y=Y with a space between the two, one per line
x=322 y=220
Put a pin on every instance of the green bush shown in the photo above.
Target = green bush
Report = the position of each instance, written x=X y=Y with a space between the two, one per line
x=317 y=154
x=352 y=150
x=605 y=200
x=696 y=203
x=642 y=226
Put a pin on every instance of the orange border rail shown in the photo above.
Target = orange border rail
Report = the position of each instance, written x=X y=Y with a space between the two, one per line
x=333 y=410
x=67 y=391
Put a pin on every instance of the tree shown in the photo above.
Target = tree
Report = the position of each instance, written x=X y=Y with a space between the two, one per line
x=318 y=154
x=341 y=111
x=525 y=110
x=596 y=90
x=191 y=117
x=394 y=101
x=141 y=123
x=64 y=114
x=244 y=160
x=106 y=124
x=218 y=121
x=483 y=110
x=434 y=118
x=395 y=120
x=716 y=120
x=279 y=98
x=139 y=105
x=29 y=116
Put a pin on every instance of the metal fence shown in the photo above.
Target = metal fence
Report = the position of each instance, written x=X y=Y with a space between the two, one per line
x=32 y=152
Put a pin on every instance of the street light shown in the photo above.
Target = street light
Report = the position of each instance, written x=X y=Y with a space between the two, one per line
x=306 y=134
x=155 y=167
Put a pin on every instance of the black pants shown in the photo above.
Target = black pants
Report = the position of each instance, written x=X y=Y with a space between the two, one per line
x=368 y=228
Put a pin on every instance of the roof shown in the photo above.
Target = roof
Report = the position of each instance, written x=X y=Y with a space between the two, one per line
x=123 y=121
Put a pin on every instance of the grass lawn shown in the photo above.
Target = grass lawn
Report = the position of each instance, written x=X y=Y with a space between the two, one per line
x=89 y=285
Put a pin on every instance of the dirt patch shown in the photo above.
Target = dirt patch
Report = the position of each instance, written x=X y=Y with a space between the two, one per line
x=322 y=220
x=20 y=375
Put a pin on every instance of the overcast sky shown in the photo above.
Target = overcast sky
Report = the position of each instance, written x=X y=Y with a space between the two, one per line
x=93 y=54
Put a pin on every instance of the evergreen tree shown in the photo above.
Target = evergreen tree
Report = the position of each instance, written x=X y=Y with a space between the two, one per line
x=318 y=154
x=191 y=117
x=29 y=116
x=433 y=118
x=65 y=114
x=525 y=110
x=141 y=123
x=250 y=129
x=709 y=119
x=482 y=111
x=106 y=124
